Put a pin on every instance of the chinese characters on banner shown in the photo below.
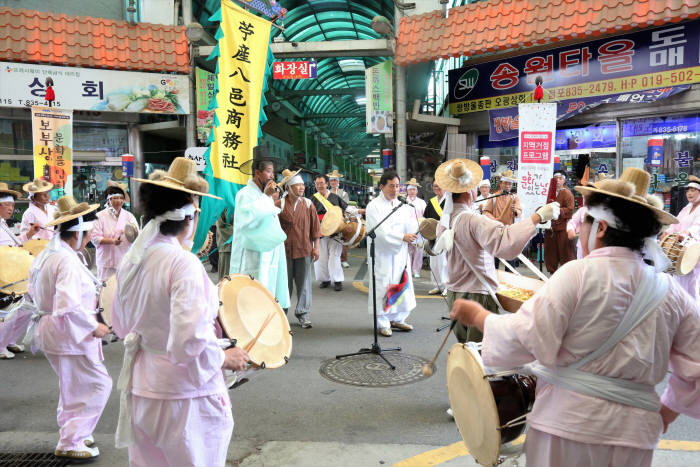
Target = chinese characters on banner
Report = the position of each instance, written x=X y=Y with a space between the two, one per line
x=243 y=50
x=622 y=65
x=52 y=135
x=294 y=70
x=536 y=159
x=380 y=117
x=205 y=93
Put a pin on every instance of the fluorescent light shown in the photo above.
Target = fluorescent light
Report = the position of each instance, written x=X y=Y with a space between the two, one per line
x=351 y=64
x=362 y=100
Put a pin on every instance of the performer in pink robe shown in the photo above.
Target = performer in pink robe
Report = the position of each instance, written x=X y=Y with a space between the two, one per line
x=415 y=252
x=39 y=212
x=689 y=227
x=573 y=228
x=174 y=406
x=602 y=332
x=65 y=328
x=108 y=232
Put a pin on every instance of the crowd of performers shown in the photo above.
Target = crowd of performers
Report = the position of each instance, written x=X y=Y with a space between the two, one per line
x=597 y=406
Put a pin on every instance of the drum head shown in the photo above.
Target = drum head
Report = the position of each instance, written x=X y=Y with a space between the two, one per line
x=106 y=299
x=690 y=258
x=131 y=232
x=428 y=229
x=333 y=222
x=15 y=263
x=473 y=404
x=34 y=246
x=245 y=305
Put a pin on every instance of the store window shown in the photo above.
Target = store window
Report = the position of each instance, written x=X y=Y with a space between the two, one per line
x=666 y=147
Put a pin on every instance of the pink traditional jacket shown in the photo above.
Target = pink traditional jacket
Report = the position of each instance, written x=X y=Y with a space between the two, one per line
x=64 y=288
x=689 y=222
x=34 y=215
x=418 y=204
x=571 y=316
x=7 y=237
x=477 y=239
x=172 y=304
x=109 y=256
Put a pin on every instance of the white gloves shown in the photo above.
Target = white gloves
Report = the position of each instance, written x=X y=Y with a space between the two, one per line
x=549 y=212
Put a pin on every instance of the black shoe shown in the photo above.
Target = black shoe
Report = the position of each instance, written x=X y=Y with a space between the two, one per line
x=325 y=284
x=338 y=286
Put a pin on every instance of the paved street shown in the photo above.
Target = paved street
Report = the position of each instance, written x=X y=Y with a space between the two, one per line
x=293 y=416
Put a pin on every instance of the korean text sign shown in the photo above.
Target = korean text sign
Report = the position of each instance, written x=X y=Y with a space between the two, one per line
x=243 y=50
x=205 y=93
x=536 y=160
x=378 y=84
x=294 y=70
x=649 y=59
x=22 y=85
x=52 y=135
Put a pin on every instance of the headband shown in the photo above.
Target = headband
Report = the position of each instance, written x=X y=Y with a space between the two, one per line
x=7 y=199
x=411 y=186
x=694 y=185
x=295 y=180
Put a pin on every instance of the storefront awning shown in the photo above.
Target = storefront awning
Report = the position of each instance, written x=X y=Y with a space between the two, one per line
x=28 y=36
x=498 y=26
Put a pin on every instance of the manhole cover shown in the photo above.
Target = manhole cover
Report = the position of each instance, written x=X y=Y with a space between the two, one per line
x=369 y=370
x=31 y=459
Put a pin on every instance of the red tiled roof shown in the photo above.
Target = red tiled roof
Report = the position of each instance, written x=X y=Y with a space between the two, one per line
x=29 y=36
x=501 y=25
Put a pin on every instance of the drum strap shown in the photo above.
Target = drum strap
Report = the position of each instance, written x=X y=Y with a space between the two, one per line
x=436 y=205
x=649 y=295
x=6 y=228
x=327 y=204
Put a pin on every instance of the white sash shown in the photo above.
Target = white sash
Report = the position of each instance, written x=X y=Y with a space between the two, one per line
x=648 y=297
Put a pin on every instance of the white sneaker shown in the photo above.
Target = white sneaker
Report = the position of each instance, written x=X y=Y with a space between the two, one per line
x=6 y=355
x=16 y=348
x=434 y=291
x=449 y=412
x=345 y=264
x=416 y=275
x=444 y=292
x=82 y=454
x=89 y=441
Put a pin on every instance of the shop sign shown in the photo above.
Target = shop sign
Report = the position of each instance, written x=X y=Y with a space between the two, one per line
x=660 y=126
x=205 y=93
x=536 y=156
x=294 y=70
x=503 y=123
x=52 y=137
x=23 y=85
x=379 y=110
x=196 y=154
x=593 y=137
x=629 y=63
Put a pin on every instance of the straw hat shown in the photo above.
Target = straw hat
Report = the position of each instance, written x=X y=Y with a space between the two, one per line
x=507 y=176
x=15 y=269
x=35 y=245
x=5 y=190
x=458 y=175
x=632 y=186
x=38 y=185
x=333 y=221
x=121 y=186
x=413 y=182
x=68 y=209
x=334 y=174
x=181 y=176
x=287 y=175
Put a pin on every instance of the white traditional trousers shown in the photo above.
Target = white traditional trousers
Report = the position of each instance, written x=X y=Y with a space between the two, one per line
x=416 y=256
x=328 y=267
x=545 y=450
x=181 y=432
x=14 y=328
x=438 y=268
x=84 y=387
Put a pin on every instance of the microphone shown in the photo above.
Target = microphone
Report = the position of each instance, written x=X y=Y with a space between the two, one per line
x=402 y=200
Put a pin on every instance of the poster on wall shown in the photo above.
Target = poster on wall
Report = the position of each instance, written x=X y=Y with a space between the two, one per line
x=205 y=93
x=379 y=113
x=536 y=160
x=52 y=136
x=23 y=85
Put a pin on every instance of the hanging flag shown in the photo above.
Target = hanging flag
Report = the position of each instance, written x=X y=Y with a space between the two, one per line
x=242 y=71
x=52 y=135
x=396 y=292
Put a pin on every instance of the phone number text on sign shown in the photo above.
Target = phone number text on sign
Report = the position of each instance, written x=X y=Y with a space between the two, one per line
x=536 y=147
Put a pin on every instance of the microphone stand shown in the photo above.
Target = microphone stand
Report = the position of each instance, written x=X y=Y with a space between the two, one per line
x=375 y=348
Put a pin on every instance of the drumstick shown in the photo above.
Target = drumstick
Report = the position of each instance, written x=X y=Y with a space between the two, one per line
x=262 y=328
x=428 y=368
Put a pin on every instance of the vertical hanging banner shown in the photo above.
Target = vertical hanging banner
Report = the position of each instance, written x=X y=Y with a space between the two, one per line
x=537 y=128
x=379 y=113
x=205 y=93
x=52 y=135
x=242 y=71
